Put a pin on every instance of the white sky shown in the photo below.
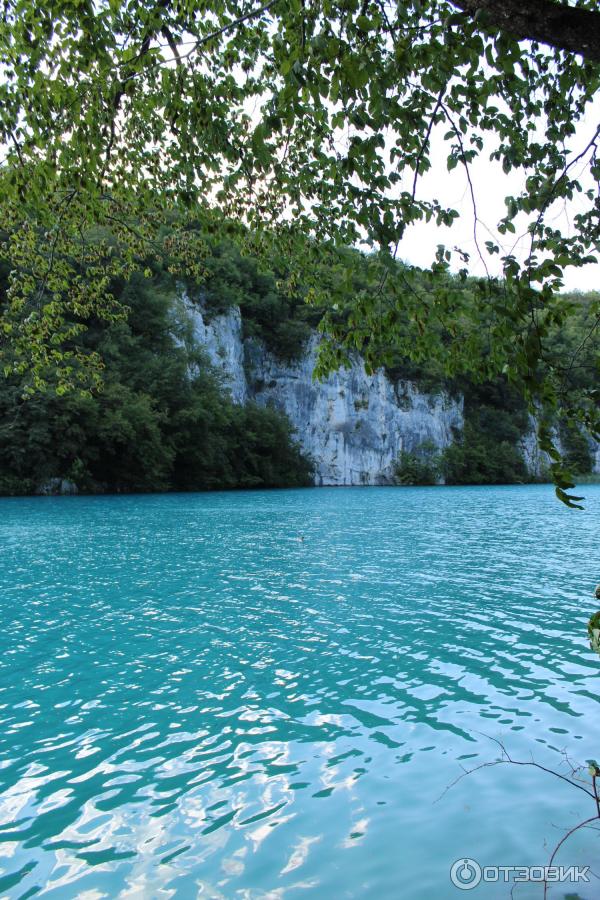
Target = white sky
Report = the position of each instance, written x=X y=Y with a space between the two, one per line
x=491 y=186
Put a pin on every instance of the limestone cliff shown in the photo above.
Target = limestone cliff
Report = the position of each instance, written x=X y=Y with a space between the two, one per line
x=353 y=425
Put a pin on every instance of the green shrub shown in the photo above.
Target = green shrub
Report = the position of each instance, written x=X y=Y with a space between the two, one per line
x=421 y=466
x=479 y=457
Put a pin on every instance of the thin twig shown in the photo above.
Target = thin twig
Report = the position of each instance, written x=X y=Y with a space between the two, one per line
x=506 y=758
x=465 y=163
x=223 y=30
x=561 y=842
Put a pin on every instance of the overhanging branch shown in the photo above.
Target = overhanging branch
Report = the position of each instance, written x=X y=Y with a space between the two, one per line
x=563 y=27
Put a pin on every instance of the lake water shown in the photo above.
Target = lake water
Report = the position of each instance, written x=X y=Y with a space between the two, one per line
x=194 y=702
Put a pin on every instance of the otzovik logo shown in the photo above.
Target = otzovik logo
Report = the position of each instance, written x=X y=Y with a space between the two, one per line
x=466 y=874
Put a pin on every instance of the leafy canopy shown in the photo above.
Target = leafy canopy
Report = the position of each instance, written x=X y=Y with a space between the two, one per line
x=301 y=126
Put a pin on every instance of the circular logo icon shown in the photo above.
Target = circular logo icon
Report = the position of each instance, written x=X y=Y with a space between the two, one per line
x=465 y=874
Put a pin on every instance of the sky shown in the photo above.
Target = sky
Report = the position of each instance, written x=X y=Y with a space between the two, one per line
x=491 y=186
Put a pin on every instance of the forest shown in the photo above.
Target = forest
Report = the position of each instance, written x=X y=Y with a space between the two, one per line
x=161 y=420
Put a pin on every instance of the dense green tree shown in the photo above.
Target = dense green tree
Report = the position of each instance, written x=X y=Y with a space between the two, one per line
x=576 y=448
x=478 y=456
x=161 y=420
x=280 y=318
x=489 y=449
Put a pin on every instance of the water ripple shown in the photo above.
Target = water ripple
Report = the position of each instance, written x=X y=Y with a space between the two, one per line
x=193 y=702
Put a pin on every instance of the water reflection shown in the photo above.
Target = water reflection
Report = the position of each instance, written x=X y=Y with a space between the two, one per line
x=193 y=702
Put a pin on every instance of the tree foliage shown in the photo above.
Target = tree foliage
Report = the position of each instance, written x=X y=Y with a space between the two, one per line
x=161 y=421
x=420 y=466
x=302 y=126
x=279 y=318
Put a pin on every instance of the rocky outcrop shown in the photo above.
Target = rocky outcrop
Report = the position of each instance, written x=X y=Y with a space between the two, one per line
x=221 y=339
x=538 y=462
x=353 y=425
x=54 y=487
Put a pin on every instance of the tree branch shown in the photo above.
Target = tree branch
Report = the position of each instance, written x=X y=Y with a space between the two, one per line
x=563 y=27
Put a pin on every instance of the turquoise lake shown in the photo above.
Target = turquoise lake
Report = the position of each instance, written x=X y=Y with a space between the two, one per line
x=265 y=694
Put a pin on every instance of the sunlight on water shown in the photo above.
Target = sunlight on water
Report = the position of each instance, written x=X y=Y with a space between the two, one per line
x=265 y=694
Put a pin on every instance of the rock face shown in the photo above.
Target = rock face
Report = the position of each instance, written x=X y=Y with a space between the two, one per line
x=221 y=339
x=56 y=487
x=538 y=462
x=353 y=425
